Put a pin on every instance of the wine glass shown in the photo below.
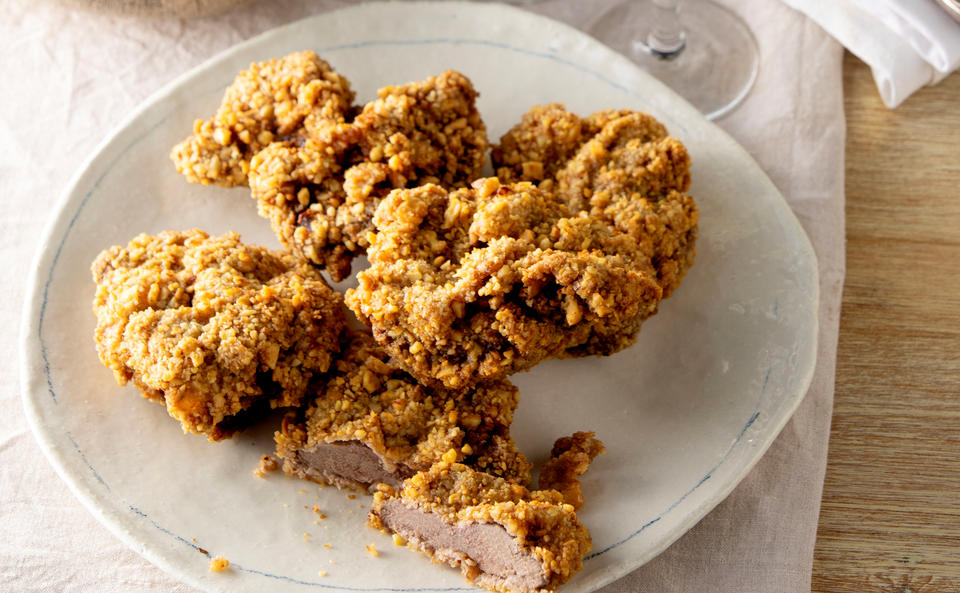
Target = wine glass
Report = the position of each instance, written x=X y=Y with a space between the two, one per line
x=698 y=48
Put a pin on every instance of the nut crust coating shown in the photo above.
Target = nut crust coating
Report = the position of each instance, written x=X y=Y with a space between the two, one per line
x=214 y=329
x=365 y=400
x=320 y=194
x=296 y=95
x=618 y=165
x=503 y=536
x=479 y=283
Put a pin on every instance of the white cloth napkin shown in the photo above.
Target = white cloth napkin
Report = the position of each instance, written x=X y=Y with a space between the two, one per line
x=907 y=43
x=72 y=77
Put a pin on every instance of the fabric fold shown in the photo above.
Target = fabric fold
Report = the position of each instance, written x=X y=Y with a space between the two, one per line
x=908 y=44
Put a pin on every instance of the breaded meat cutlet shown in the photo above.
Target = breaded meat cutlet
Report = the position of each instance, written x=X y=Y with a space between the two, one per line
x=502 y=536
x=290 y=97
x=618 y=165
x=476 y=284
x=371 y=422
x=216 y=330
x=320 y=194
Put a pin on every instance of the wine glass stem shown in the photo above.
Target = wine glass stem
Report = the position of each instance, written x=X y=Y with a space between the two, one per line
x=667 y=37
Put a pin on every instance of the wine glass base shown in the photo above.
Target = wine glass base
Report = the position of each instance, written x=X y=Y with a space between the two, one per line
x=716 y=67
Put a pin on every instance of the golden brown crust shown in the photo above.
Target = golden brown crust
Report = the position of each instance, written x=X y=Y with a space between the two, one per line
x=541 y=524
x=367 y=400
x=569 y=459
x=281 y=98
x=299 y=189
x=320 y=194
x=212 y=327
x=634 y=176
x=426 y=130
x=479 y=283
x=538 y=147
x=617 y=165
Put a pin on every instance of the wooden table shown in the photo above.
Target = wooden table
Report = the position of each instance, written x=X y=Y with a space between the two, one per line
x=890 y=521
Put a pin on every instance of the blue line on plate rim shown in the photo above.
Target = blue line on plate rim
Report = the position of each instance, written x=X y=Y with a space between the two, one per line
x=347 y=587
x=63 y=241
x=86 y=461
x=164 y=529
x=743 y=431
x=138 y=139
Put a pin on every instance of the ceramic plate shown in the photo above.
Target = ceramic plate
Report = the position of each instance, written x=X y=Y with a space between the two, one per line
x=685 y=413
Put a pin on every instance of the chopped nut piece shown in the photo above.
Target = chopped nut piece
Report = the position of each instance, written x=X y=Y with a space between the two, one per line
x=267 y=464
x=569 y=459
x=219 y=564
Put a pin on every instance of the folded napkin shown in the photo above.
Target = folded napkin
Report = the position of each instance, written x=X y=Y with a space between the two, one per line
x=907 y=43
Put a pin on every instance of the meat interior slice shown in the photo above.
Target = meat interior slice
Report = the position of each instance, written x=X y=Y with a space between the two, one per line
x=502 y=536
x=349 y=464
x=487 y=547
x=372 y=423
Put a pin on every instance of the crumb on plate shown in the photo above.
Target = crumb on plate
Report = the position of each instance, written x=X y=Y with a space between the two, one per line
x=219 y=564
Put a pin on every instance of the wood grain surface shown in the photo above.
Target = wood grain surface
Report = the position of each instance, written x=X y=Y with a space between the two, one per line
x=890 y=520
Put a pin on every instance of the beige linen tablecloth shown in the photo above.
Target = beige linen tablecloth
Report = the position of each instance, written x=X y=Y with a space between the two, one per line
x=69 y=78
